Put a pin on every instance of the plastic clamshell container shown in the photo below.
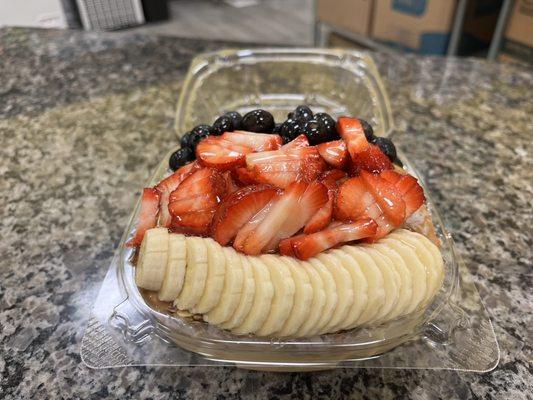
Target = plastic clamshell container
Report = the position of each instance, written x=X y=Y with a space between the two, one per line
x=337 y=82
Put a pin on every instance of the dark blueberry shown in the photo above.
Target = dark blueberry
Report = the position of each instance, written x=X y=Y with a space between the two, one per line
x=180 y=157
x=236 y=119
x=185 y=140
x=259 y=121
x=277 y=128
x=329 y=125
x=199 y=133
x=315 y=132
x=223 y=124
x=290 y=129
x=386 y=146
x=367 y=128
x=301 y=114
x=398 y=162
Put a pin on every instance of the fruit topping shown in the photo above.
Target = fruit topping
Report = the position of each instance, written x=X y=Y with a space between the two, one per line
x=299 y=141
x=334 y=153
x=408 y=188
x=236 y=119
x=353 y=134
x=371 y=159
x=258 y=121
x=307 y=246
x=223 y=124
x=328 y=124
x=387 y=147
x=180 y=157
x=367 y=128
x=220 y=153
x=323 y=216
x=185 y=140
x=315 y=132
x=147 y=215
x=301 y=114
x=199 y=133
x=256 y=141
x=387 y=197
x=290 y=129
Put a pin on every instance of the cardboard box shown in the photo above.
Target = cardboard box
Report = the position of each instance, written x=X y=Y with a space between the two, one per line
x=352 y=15
x=518 y=39
x=421 y=26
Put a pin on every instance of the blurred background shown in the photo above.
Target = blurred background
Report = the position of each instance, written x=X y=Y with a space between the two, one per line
x=495 y=29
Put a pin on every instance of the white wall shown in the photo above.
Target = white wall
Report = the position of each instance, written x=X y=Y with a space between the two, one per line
x=40 y=13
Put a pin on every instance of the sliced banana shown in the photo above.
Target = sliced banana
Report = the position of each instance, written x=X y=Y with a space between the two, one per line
x=418 y=272
x=360 y=288
x=231 y=291
x=317 y=306
x=175 y=269
x=330 y=294
x=195 y=274
x=264 y=293
x=283 y=300
x=152 y=260
x=214 y=283
x=303 y=296
x=343 y=282
x=247 y=296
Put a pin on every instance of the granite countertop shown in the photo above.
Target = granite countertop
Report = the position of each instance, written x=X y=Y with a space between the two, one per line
x=85 y=117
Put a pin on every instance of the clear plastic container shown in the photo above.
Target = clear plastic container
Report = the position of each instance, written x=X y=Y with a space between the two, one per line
x=341 y=83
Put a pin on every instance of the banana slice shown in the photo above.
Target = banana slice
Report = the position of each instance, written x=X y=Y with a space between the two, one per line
x=418 y=272
x=175 y=270
x=195 y=274
x=360 y=289
x=377 y=296
x=232 y=290
x=264 y=293
x=152 y=260
x=214 y=283
x=303 y=296
x=283 y=300
x=403 y=274
x=343 y=282
x=247 y=296
x=317 y=306
x=331 y=297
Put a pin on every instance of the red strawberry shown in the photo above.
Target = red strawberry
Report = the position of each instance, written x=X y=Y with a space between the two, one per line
x=323 y=216
x=307 y=246
x=297 y=142
x=168 y=185
x=334 y=153
x=248 y=228
x=411 y=192
x=284 y=207
x=244 y=176
x=332 y=175
x=237 y=209
x=311 y=201
x=221 y=154
x=147 y=216
x=198 y=194
x=255 y=141
x=371 y=159
x=231 y=184
x=391 y=176
x=353 y=134
x=193 y=223
x=386 y=196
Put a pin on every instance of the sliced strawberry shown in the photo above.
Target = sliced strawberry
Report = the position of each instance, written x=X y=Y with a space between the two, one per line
x=231 y=185
x=353 y=134
x=244 y=176
x=323 y=216
x=237 y=209
x=255 y=141
x=297 y=142
x=412 y=194
x=193 y=223
x=222 y=154
x=168 y=185
x=386 y=196
x=285 y=206
x=257 y=219
x=312 y=200
x=391 y=176
x=371 y=159
x=353 y=199
x=147 y=215
x=332 y=175
x=307 y=246
x=334 y=153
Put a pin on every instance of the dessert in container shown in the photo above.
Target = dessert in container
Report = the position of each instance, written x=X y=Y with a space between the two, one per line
x=124 y=330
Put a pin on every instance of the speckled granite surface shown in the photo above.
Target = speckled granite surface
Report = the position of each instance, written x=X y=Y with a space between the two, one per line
x=84 y=118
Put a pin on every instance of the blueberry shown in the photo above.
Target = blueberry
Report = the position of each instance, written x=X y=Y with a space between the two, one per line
x=260 y=121
x=185 y=140
x=367 y=128
x=223 y=124
x=236 y=119
x=277 y=128
x=302 y=114
x=387 y=147
x=329 y=125
x=180 y=157
x=199 y=133
x=398 y=162
x=315 y=132
x=290 y=129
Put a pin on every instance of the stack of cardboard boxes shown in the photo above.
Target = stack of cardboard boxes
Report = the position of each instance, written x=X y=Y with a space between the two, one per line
x=518 y=41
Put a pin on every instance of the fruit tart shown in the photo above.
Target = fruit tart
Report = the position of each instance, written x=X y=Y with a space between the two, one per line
x=297 y=229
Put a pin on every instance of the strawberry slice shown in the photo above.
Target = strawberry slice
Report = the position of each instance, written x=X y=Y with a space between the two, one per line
x=391 y=176
x=244 y=176
x=285 y=206
x=323 y=216
x=255 y=141
x=222 y=154
x=307 y=246
x=248 y=228
x=386 y=196
x=147 y=216
x=298 y=142
x=311 y=201
x=195 y=200
x=168 y=185
x=193 y=223
x=231 y=184
x=237 y=209
x=371 y=159
x=411 y=192
x=334 y=153
x=353 y=134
